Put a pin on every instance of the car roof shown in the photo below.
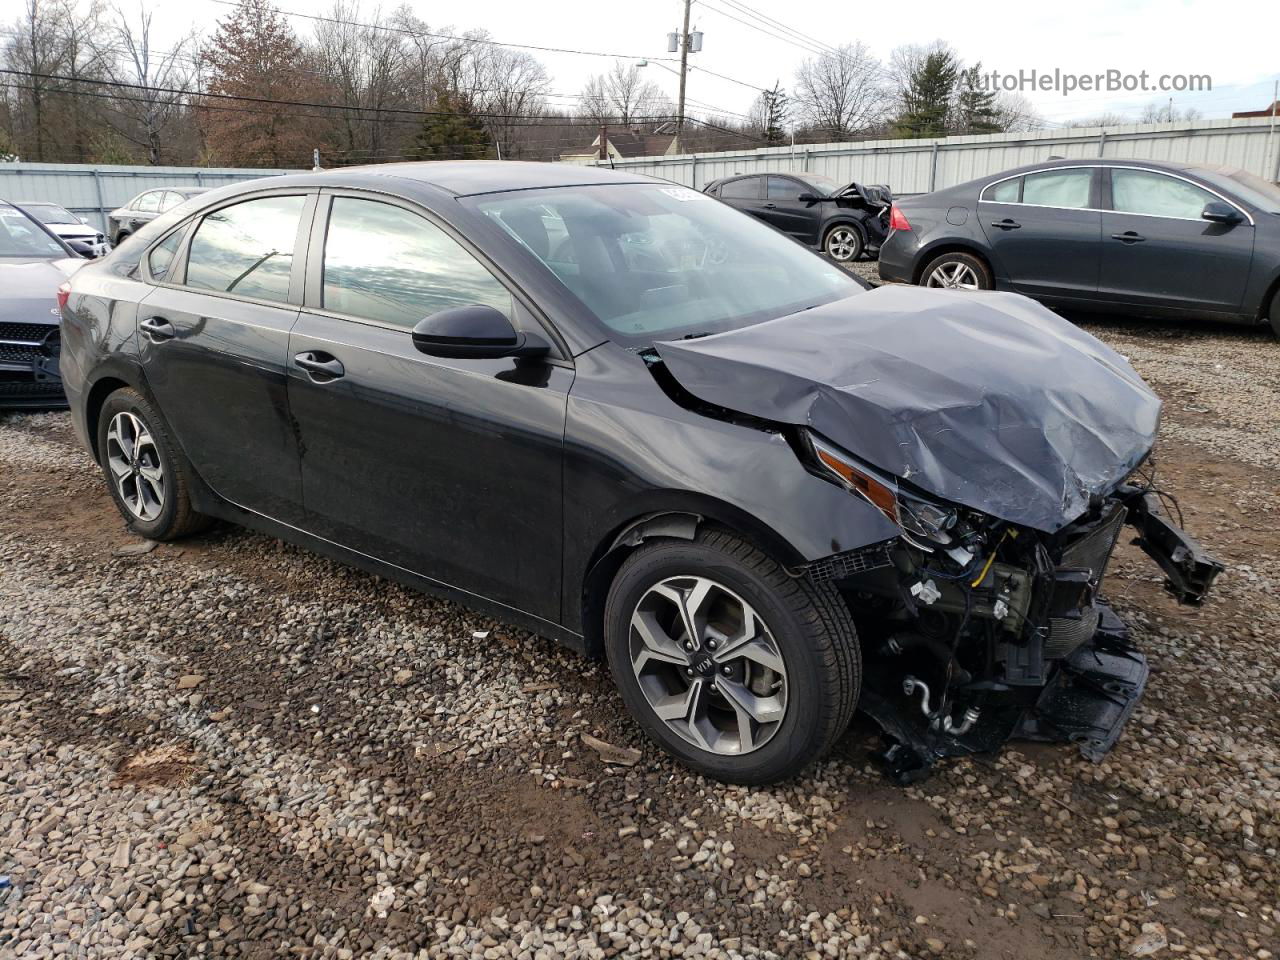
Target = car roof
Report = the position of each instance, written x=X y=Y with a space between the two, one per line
x=467 y=177
x=1095 y=162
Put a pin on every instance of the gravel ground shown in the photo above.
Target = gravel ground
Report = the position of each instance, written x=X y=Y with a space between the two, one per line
x=230 y=747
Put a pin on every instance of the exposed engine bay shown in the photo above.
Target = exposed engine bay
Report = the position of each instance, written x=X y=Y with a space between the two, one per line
x=1002 y=632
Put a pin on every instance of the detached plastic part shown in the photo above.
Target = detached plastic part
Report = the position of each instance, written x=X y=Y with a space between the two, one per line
x=1190 y=569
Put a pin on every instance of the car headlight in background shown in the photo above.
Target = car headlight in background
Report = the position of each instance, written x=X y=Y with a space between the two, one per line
x=919 y=518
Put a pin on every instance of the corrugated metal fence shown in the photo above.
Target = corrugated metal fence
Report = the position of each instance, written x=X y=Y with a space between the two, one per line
x=94 y=190
x=919 y=166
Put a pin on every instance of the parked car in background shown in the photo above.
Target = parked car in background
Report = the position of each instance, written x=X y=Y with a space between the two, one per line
x=620 y=414
x=80 y=236
x=844 y=221
x=1138 y=236
x=33 y=263
x=144 y=208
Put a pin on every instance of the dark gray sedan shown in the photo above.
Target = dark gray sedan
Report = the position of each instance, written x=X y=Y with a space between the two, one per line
x=145 y=207
x=1146 y=238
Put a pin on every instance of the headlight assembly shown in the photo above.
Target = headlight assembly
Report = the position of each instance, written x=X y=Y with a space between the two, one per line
x=919 y=518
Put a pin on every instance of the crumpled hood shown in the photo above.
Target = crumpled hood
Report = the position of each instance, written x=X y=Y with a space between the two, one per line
x=983 y=399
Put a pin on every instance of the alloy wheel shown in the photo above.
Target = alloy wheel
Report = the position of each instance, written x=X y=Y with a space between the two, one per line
x=842 y=244
x=953 y=275
x=708 y=665
x=134 y=461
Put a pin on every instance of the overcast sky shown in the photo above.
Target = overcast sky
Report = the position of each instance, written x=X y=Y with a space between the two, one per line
x=1231 y=40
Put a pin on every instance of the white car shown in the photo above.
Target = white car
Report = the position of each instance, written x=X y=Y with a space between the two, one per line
x=79 y=234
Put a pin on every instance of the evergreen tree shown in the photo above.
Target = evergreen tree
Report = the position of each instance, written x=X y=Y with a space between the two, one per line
x=929 y=94
x=976 y=108
x=452 y=131
x=773 y=114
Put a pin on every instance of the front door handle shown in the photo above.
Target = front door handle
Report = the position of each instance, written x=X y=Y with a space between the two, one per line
x=157 y=329
x=1128 y=237
x=771 y=206
x=1006 y=224
x=321 y=367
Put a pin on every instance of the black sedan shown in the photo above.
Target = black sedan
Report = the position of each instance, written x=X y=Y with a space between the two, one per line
x=33 y=263
x=844 y=221
x=618 y=413
x=1136 y=236
x=145 y=207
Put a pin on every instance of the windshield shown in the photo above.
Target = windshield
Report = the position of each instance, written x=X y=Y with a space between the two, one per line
x=50 y=213
x=21 y=237
x=660 y=263
x=1248 y=187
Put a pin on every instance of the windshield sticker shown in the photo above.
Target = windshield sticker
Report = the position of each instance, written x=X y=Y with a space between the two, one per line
x=679 y=193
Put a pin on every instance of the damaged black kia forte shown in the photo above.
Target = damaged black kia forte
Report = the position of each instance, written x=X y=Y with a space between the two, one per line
x=623 y=415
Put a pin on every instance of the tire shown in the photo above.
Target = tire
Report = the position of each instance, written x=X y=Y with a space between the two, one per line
x=843 y=243
x=957 y=271
x=806 y=628
x=1275 y=314
x=150 y=487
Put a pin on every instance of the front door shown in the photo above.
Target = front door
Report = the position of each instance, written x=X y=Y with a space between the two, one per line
x=785 y=210
x=448 y=468
x=1044 y=231
x=1159 y=251
x=214 y=340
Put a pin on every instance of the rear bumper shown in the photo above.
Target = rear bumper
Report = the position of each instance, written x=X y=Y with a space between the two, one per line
x=896 y=263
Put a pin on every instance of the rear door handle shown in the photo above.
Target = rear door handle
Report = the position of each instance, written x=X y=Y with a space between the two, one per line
x=771 y=206
x=1128 y=237
x=321 y=367
x=1006 y=224
x=157 y=329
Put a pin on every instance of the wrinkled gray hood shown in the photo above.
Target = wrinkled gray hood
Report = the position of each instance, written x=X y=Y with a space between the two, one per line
x=983 y=399
x=29 y=288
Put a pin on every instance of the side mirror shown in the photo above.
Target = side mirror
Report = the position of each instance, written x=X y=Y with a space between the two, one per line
x=475 y=332
x=809 y=198
x=1216 y=211
x=84 y=220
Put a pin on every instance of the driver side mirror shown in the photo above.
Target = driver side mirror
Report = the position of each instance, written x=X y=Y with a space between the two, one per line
x=1216 y=211
x=809 y=198
x=475 y=332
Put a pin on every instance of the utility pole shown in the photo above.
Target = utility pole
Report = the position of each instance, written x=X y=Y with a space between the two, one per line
x=684 y=69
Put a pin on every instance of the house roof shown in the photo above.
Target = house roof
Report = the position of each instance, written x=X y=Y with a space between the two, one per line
x=1266 y=112
x=628 y=143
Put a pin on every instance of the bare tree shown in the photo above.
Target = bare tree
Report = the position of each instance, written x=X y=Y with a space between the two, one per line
x=151 y=103
x=36 y=50
x=515 y=88
x=1163 y=111
x=842 y=93
x=1015 y=113
x=623 y=96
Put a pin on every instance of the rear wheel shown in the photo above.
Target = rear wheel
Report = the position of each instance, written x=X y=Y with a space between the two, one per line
x=956 y=271
x=736 y=668
x=1275 y=313
x=147 y=474
x=843 y=243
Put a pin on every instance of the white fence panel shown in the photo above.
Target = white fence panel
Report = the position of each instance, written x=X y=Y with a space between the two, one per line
x=94 y=190
x=919 y=166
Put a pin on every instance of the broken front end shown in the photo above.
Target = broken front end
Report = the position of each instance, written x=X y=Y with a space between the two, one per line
x=976 y=631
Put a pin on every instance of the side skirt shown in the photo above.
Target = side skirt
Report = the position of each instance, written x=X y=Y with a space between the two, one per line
x=209 y=504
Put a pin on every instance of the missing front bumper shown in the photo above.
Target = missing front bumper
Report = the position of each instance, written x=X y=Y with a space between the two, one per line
x=1087 y=701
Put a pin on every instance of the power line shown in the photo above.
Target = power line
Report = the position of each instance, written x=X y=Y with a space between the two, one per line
x=765 y=18
x=767 y=32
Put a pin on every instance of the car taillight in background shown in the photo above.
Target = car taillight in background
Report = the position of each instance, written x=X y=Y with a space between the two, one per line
x=897 y=220
x=64 y=292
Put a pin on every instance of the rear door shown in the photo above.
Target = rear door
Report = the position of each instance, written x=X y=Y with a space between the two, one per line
x=1160 y=252
x=784 y=209
x=744 y=193
x=214 y=339
x=1044 y=230
x=450 y=468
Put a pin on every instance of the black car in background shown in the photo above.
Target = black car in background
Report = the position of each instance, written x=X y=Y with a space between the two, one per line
x=145 y=207
x=1138 y=236
x=620 y=414
x=844 y=221
x=34 y=262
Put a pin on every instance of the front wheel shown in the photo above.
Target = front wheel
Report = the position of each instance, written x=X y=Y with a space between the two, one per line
x=956 y=271
x=843 y=243
x=734 y=667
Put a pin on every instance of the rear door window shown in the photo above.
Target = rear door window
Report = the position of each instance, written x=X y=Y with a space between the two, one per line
x=247 y=248
x=149 y=202
x=1058 y=188
x=748 y=188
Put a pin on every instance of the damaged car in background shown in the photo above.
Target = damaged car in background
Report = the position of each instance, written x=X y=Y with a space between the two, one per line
x=622 y=415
